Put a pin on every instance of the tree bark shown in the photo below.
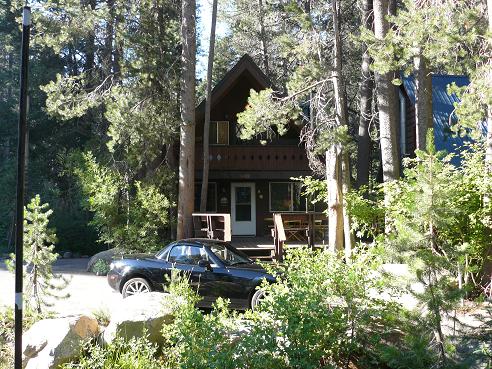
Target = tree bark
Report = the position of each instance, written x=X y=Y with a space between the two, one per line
x=186 y=179
x=488 y=152
x=90 y=46
x=208 y=105
x=386 y=98
x=335 y=207
x=366 y=96
x=341 y=121
x=108 y=41
x=423 y=100
x=263 y=40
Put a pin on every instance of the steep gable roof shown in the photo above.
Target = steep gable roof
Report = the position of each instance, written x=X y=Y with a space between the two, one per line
x=245 y=65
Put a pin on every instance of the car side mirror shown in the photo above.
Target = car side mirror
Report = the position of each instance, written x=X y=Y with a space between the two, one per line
x=205 y=264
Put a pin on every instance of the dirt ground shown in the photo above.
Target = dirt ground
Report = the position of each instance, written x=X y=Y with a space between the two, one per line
x=88 y=293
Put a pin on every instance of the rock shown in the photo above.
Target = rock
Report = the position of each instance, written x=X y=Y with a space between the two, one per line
x=52 y=342
x=139 y=314
x=67 y=255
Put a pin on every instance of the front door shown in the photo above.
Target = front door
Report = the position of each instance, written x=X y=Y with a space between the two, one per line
x=243 y=209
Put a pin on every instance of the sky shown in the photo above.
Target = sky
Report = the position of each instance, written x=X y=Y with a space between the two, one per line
x=204 y=23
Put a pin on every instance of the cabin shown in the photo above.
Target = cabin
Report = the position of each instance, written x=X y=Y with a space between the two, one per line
x=442 y=114
x=249 y=179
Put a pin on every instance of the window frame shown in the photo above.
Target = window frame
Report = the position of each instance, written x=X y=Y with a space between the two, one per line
x=185 y=245
x=217 y=132
x=291 y=206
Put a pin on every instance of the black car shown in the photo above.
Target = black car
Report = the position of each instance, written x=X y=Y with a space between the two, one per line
x=215 y=268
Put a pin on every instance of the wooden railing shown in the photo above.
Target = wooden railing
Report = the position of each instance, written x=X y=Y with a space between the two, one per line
x=216 y=226
x=278 y=234
x=299 y=227
x=244 y=157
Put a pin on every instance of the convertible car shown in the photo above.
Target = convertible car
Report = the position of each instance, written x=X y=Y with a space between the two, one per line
x=215 y=269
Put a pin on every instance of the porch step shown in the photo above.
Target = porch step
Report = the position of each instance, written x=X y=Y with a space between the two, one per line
x=263 y=253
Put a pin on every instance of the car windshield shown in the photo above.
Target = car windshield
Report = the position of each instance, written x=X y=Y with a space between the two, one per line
x=229 y=255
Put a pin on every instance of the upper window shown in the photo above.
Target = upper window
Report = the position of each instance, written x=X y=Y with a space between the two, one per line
x=185 y=254
x=286 y=196
x=219 y=133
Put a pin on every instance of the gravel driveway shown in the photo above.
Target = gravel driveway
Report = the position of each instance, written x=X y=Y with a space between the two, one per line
x=88 y=292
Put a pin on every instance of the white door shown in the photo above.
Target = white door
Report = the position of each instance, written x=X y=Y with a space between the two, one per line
x=243 y=209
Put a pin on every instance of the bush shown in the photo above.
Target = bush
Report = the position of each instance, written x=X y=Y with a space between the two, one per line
x=101 y=267
x=7 y=333
x=321 y=313
x=137 y=353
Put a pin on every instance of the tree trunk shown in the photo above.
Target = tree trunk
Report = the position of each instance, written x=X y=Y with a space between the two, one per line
x=90 y=46
x=387 y=99
x=335 y=208
x=341 y=120
x=365 y=93
x=208 y=105
x=187 y=130
x=488 y=153
x=423 y=100
x=108 y=40
x=263 y=40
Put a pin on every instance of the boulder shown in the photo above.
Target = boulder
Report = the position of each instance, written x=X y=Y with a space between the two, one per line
x=52 y=342
x=140 y=314
x=68 y=255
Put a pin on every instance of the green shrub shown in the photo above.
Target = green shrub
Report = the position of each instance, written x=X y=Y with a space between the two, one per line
x=194 y=339
x=322 y=313
x=7 y=332
x=137 y=353
x=101 y=267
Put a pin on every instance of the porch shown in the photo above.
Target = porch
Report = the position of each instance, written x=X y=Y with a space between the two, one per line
x=287 y=230
x=263 y=248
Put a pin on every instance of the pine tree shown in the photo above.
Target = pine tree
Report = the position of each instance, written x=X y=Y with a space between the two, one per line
x=41 y=284
x=187 y=136
x=422 y=208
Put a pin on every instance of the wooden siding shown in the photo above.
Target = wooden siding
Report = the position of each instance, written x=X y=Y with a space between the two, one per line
x=264 y=158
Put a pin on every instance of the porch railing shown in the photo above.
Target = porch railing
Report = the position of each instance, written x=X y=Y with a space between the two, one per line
x=298 y=227
x=216 y=226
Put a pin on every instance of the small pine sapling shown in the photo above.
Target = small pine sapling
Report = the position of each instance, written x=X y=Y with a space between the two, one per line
x=41 y=284
x=422 y=212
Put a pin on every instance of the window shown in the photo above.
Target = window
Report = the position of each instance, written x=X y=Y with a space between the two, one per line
x=219 y=133
x=184 y=254
x=211 y=196
x=228 y=255
x=286 y=196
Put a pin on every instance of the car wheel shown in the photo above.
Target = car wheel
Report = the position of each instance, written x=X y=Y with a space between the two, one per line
x=135 y=286
x=256 y=299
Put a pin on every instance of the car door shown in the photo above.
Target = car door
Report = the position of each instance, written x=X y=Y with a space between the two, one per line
x=185 y=258
x=160 y=273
